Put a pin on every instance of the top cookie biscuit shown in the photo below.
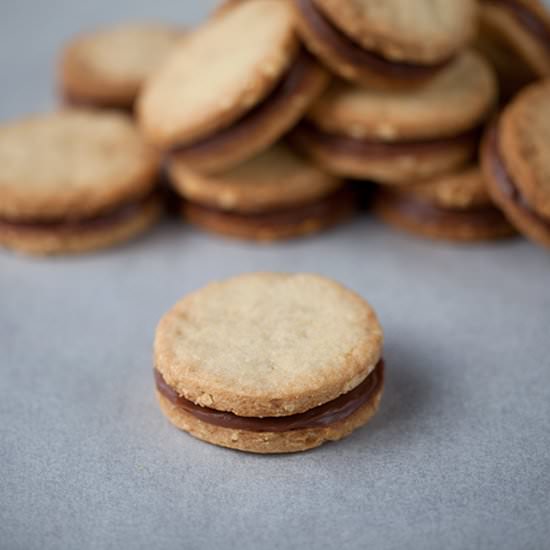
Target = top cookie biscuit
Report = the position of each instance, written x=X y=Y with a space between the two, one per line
x=220 y=72
x=268 y=344
x=455 y=100
x=424 y=31
x=72 y=164
x=108 y=67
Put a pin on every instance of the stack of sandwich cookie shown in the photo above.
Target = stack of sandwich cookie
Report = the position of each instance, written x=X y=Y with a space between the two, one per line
x=398 y=136
x=453 y=207
x=73 y=181
x=275 y=195
x=515 y=37
x=516 y=162
x=107 y=68
x=269 y=363
x=232 y=88
x=390 y=43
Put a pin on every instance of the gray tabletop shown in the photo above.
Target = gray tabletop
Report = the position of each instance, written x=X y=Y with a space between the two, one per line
x=458 y=457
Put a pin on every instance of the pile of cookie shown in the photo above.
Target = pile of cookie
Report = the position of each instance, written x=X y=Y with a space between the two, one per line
x=278 y=118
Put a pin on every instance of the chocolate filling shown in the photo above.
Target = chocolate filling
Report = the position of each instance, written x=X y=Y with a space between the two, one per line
x=359 y=57
x=73 y=101
x=288 y=87
x=528 y=19
x=380 y=149
x=322 y=416
x=99 y=221
x=424 y=211
x=332 y=206
x=506 y=183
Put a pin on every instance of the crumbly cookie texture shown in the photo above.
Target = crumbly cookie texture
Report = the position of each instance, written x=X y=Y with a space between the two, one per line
x=268 y=442
x=276 y=178
x=218 y=73
x=423 y=31
x=110 y=65
x=524 y=135
x=267 y=344
x=43 y=241
x=463 y=189
x=456 y=100
x=73 y=163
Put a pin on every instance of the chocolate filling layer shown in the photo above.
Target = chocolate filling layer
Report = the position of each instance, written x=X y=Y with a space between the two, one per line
x=322 y=416
x=80 y=103
x=100 y=221
x=356 y=55
x=528 y=19
x=380 y=149
x=288 y=87
x=506 y=182
x=332 y=206
x=426 y=212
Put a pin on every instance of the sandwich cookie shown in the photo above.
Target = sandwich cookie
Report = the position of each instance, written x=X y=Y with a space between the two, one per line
x=516 y=162
x=454 y=207
x=515 y=37
x=275 y=195
x=73 y=181
x=107 y=68
x=398 y=137
x=269 y=363
x=232 y=88
x=390 y=43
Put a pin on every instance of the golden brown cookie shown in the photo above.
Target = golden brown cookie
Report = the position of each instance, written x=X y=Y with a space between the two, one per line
x=275 y=195
x=74 y=180
x=516 y=162
x=399 y=137
x=269 y=362
x=453 y=207
x=515 y=37
x=107 y=68
x=225 y=94
x=390 y=43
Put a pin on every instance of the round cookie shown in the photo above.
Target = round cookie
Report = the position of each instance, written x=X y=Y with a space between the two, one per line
x=517 y=165
x=454 y=207
x=390 y=43
x=275 y=195
x=224 y=94
x=269 y=362
x=74 y=180
x=107 y=68
x=398 y=137
x=515 y=37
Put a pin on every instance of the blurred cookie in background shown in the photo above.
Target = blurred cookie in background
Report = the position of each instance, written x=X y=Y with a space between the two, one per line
x=454 y=207
x=276 y=195
x=232 y=88
x=74 y=181
x=107 y=68
x=515 y=36
x=398 y=136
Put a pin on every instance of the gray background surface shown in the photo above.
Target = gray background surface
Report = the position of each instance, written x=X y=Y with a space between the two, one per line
x=458 y=457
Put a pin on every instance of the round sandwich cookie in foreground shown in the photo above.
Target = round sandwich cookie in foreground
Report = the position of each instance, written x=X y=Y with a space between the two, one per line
x=275 y=195
x=107 y=68
x=398 y=137
x=73 y=181
x=232 y=88
x=516 y=162
x=515 y=37
x=390 y=43
x=270 y=363
x=454 y=207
